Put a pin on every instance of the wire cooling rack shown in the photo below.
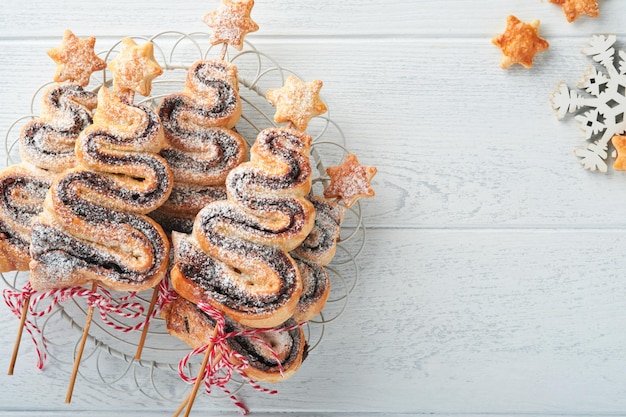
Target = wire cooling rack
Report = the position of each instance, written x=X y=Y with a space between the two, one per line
x=109 y=357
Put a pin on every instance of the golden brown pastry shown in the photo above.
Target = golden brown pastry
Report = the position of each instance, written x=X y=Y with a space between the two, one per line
x=23 y=188
x=93 y=226
x=48 y=142
x=190 y=324
x=231 y=22
x=320 y=245
x=297 y=102
x=520 y=42
x=350 y=181
x=317 y=250
x=202 y=148
x=134 y=69
x=619 y=143
x=315 y=290
x=237 y=256
x=76 y=59
x=46 y=146
x=574 y=8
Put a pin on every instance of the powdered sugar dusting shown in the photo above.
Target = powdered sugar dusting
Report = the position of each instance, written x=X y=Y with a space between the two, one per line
x=202 y=148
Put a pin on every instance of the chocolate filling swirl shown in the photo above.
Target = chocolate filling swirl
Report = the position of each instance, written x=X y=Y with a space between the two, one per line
x=48 y=142
x=287 y=344
x=276 y=194
x=21 y=198
x=202 y=149
x=93 y=225
x=218 y=280
x=243 y=241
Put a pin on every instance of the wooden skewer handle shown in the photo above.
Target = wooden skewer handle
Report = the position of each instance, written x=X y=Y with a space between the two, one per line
x=144 y=332
x=18 y=339
x=81 y=348
x=189 y=400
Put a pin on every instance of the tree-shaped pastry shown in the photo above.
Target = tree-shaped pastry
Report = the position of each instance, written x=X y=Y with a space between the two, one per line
x=93 y=227
x=46 y=146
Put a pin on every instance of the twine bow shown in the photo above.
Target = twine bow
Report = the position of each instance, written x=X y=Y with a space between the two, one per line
x=16 y=300
x=101 y=300
x=224 y=362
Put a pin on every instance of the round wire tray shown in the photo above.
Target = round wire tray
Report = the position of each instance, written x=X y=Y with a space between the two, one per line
x=109 y=356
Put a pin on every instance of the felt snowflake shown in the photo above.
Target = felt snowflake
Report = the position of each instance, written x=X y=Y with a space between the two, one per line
x=601 y=113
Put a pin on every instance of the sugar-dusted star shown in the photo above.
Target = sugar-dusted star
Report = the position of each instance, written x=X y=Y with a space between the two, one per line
x=134 y=68
x=520 y=42
x=574 y=8
x=619 y=143
x=76 y=59
x=350 y=181
x=297 y=102
x=231 y=22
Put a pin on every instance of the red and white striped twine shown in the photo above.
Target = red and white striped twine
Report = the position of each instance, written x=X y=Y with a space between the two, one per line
x=15 y=300
x=101 y=300
x=219 y=373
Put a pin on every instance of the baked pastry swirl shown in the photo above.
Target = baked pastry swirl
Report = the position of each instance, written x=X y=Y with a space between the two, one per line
x=93 y=226
x=48 y=141
x=321 y=244
x=202 y=148
x=23 y=188
x=317 y=250
x=237 y=256
x=190 y=324
x=46 y=148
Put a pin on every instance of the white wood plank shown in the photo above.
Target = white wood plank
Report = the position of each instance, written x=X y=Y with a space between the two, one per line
x=457 y=150
x=503 y=255
x=352 y=18
x=441 y=321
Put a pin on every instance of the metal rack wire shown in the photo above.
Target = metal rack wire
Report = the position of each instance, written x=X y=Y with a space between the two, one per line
x=109 y=359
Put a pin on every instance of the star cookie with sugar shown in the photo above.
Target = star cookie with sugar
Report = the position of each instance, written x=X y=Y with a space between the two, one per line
x=231 y=22
x=574 y=8
x=134 y=68
x=350 y=181
x=76 y=59
x=297 y=102
x=520 y=42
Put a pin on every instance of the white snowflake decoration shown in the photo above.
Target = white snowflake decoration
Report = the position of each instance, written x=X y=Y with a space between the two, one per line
x=606 y=108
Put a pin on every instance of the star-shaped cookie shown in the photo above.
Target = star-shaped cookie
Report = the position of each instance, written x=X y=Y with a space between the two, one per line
x=350 y=181
x=76 y=59
x=134 y=68
x=520 y=42
x=231 y=22
x=574 y=8
x=619 y=142
x=297 y=102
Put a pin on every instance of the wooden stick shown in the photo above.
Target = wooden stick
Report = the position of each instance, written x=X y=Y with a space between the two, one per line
x=224 y=50
x=81 y=348
x=18 y=339
x=189 y=400
x=144 y=333
x=186 y=402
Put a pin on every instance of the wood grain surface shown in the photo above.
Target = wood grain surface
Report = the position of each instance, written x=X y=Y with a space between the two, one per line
x=492 y=279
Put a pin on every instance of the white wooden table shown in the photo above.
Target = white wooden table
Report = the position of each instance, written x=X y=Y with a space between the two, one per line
x=492 y=281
